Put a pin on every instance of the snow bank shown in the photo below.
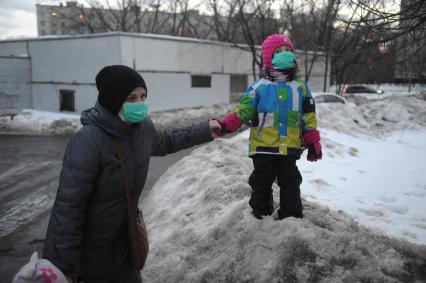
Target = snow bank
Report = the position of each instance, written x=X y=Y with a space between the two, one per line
x=378 y=182
x=372 y=173
x=396 y=113
x=375 y=118
x=393 y=88
x=184 y=116
x=201 y=230
x=35 y=122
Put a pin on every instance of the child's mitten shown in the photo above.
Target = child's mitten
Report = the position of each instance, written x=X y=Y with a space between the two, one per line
x=312 y=141
x=230 y=123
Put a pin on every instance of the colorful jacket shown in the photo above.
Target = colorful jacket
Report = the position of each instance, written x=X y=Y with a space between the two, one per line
x=279 y=113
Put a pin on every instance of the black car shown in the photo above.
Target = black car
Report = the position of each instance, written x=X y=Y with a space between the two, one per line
x=359 y=89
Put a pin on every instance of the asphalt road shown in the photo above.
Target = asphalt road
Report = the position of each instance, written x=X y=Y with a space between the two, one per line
x=29 y=173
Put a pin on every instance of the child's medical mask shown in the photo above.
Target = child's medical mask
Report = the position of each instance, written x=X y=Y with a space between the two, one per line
x=284 y=60
x=134 y=112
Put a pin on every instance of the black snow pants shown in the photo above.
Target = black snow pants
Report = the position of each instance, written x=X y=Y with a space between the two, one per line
x=267 y=168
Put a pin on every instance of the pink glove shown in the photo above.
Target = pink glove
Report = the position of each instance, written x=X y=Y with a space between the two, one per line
x=312 y=141
x=230 y=123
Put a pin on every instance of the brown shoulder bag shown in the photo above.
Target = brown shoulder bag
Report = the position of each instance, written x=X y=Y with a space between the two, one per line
x=138 y=237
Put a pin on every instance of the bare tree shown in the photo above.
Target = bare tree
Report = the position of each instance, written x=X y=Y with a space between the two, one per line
x=152 y=16
x=403 y=28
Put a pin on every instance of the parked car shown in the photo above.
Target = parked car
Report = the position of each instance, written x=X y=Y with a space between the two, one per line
x=328 y=98
x=351 y=89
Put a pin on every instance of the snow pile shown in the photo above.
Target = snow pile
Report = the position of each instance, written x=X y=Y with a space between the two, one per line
x=374 y=118
x=400 y=88
x=201 y=230
x=396 y=113
x=372 y=173
x=35 y=122
x=393 y=88
x=342 y=118
x=184 y=116
x=381 y=183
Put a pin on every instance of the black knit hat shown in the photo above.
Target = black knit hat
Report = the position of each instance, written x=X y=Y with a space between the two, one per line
x=115 y=83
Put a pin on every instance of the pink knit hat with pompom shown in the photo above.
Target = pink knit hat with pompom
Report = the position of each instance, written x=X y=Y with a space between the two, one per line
x=271 y=43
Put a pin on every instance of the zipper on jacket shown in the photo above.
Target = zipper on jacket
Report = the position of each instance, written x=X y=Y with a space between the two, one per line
x=262 y=123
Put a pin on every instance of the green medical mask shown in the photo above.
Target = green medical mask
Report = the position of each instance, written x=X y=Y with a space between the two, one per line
x=134 y=112
x=284 y=60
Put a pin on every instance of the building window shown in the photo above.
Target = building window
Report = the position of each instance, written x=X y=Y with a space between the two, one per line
x=238 y=83
x=201 y=81
x=66 y=100
x=42 y=23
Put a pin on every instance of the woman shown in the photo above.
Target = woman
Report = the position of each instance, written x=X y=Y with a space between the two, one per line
x=87 y=235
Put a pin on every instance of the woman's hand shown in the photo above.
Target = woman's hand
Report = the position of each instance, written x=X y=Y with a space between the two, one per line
x=216 y=128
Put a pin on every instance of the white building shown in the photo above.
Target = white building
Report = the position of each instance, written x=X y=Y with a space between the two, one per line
x=58 y=73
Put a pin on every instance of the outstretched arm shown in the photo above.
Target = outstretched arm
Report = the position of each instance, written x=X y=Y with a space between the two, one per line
x=244 y=112
x=174 y=139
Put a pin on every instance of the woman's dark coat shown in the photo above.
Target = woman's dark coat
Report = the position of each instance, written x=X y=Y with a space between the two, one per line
x=87 y=228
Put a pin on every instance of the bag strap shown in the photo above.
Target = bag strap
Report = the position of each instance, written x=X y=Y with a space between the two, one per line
x=117 y=147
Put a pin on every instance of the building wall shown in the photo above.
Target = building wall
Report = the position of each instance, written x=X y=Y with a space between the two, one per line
x=71 y=64
x=46 y=96
x=157 y=53
x=412 y=68
x=14 y=48
x=167 y=64
x=173 y=90
x=15 y=87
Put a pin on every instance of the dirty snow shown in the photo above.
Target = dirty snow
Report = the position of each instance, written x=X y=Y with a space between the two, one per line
x=36 y=122
x=365 y=218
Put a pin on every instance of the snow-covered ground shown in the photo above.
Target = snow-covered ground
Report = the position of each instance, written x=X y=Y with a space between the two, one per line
x=365 y=218
x=392 y=88
x=36 y=122
x=201 y=228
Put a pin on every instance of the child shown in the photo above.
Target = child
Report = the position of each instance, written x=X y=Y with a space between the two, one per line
x=283 y=121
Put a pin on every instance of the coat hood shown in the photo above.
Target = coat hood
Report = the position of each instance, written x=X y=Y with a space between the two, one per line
x=101 y=117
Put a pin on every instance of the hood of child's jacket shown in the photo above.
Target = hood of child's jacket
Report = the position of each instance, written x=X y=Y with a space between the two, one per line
x=100 y=117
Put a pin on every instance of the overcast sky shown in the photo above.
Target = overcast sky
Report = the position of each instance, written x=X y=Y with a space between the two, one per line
x=17 y=18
